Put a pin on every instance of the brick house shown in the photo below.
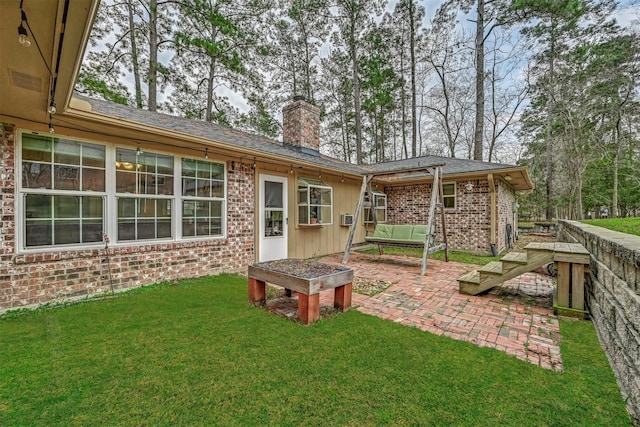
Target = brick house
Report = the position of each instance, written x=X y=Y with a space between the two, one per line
x=180 y=198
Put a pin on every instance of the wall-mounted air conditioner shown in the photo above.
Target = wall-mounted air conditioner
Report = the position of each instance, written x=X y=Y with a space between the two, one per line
x=346 y=220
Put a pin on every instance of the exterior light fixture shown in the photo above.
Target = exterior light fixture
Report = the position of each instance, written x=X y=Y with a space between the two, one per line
x=469 y=186
x=291 y=169
x=507 y=178
x=319 y=174
x=51 y=129
x=253 y=166
x=342 y=178
x=206 y=153
x=52 y=107
x=23 y=37
x=138 y=150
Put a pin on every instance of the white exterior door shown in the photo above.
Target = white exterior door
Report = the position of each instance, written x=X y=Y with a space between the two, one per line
x=272 y=218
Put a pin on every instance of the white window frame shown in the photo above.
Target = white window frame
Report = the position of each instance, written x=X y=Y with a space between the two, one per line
x=377 y=195
x=308 y=184
x=110 y=199
x=450 y=196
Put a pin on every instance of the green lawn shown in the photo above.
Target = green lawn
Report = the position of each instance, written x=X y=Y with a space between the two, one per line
x=623 y=225
x=457 y=256
x=198 y=354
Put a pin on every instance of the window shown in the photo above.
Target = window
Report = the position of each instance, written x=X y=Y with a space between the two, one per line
x=63 y=184
x=379 y=207
x=203 y=198
x=148 y=176
x=314 y=202
x=449 y=192
x=68 y=188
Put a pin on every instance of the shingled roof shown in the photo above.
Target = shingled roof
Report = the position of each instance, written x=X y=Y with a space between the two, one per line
x=218 y=134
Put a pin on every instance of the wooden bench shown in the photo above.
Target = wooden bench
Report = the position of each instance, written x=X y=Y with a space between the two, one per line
x=403 y=235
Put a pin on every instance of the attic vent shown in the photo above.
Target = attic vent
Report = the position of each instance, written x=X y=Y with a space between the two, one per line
x=25 y=81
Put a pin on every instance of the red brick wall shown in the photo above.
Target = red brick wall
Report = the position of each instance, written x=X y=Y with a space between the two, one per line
x=301 y=125
x=467 y=224
x=28 y=280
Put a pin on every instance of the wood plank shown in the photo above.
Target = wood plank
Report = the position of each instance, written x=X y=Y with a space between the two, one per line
x=577 y=286
x=515 y=257
x=432 y=209
x=562 y=247
x=540 y=246
x=577 y=248
x=494 y=267
x=342 y=297
x=347 y=250
x=472 y=277
x=564 y=281
x=572 y=258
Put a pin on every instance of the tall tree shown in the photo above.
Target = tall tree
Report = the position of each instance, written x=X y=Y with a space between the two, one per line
x=354 y=18
x=217 y=48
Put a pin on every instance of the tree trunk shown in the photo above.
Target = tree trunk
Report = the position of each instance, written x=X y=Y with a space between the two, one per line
x=134 y=56
x=209 y=113
x=152 y=75
x=549 y=132
x=616 y=165
x=412 y=46
x=479 y=124
x=356 y=90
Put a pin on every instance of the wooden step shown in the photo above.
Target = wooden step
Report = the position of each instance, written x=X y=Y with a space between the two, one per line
x=515 y=257
x=514 y=260
x=470 y=277
x=494 y=267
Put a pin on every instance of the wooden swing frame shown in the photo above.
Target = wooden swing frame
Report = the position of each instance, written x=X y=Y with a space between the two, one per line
x=437 y=200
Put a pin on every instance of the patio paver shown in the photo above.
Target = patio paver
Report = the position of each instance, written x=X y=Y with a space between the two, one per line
x=522 y=326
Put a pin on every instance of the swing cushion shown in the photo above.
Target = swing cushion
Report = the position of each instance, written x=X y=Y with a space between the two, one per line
x=399 y=234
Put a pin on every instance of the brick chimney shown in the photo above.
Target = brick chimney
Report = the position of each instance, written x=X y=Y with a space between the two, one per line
x=301 y=124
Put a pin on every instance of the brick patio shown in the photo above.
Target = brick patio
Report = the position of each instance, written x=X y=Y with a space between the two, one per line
x=516 y=318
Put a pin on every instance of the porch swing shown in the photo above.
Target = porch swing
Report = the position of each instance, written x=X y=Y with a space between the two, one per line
x=405 y=234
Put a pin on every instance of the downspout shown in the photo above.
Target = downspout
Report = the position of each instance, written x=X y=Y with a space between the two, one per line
x=492 y=228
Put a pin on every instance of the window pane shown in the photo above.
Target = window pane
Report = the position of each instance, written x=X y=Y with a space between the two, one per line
x=66 y=152
x=188 y=187
x=165 y=184
x=38 y=206
x=36 y=175
x=204 y=188
x=188 y=209
x=273 y=194
x=450 y=202
x=38 y=233
x=36 y=148
x=92 y=207
x=66 y=177
x=147 y=208
x=216 y=209
x=126 y=229
x=216 y=226
x=202 y=209
x=93 y=179
x=303 y=215
x=448 y=189
x=147 y=162
x=126 y=208
x=164 y=207
x=125 y=182
x=146 y=229
x=217 y=171
x=326 y=197
x=165 y=165
x=67 y=232
x=93 y=155
x=66 y=207
x=217 y=189
x=125 y=159
x=204 y=170
x=91 y=231
x=202 y=227
x=325 y=215
x=188 y=228
x=188 y=167
x=164 y=228
x=146 y=184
